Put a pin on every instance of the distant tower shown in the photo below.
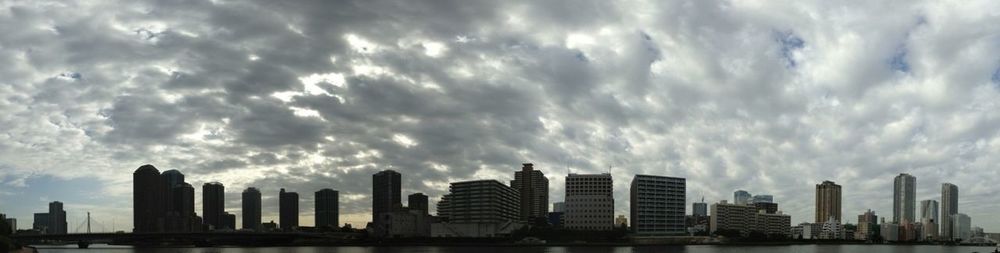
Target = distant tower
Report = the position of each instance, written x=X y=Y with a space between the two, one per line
x=533 y=188
x=147 y=199
x=417 y=201
x=386 y=192
x=58 y=218
x=251 y=209
x=904 y=198
x=699 y=209
x=183 y=198
x=741 y=197
x=949 y=207
x=288 y=210
x=213 y=201
x=327 y=204
x=827 y=202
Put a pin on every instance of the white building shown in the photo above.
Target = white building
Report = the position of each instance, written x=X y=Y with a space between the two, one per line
x=889 y=231
x=657 y=205
x=590 y=202
x=832 y=229
x=746 y=219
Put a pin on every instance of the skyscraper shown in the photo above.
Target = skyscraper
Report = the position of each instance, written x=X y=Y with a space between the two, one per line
x=929 y=218
x=147 y=199
x=251 y=209
x=657 y=205
x=213 y=201
x=170 y=179
x=533 y=188
x=949 y=207
x=827 y=202
x=386 y=192
x=699 y=209
x=417 y=201
x=327 y=208
x=904 y=198
x=57 y=217
x=590 y=202
x=288 y=210
x=183 y=198
x=741 y=197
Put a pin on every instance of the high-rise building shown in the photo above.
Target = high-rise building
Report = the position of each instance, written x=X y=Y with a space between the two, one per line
x=288 y=210
x=867 y=222
x=590 y=202
x=961 y=227
x=170 y=179
x=147 y=199
x=929 y=209
x=949 y=207
x=699 y=209
x=761 y=199
x=657 y=205
x=57 y=218
x=386 y=192
x=327 y=208
x=251 y=209
x=183 y=217
x=213 y=203
x=741 y=197
x=929 y=219
x=41 y=222
x=904 y=198
x=417 y=201
x=481 y=201
x=827 y=202
x=533 y=188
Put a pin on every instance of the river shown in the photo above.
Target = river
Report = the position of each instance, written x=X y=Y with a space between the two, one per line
x=544 y=249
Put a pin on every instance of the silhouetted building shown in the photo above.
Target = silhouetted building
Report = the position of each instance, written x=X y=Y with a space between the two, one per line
x=42 y=222
x=213 y=201
x=183 y=217
x=147 y=199
x=741 y=197
x=949 y=207
x=173 y=219
x=417 y=201
x=481 y=201
x=904 y=198
x=556 y=219
x=657 y=205
x=228 y=221
x=827 y=201
x=58 y=218
x=269 y=226
x=288 y=210
x=327 y=212
x=386 y=192
x=251 y=209
x=590 y=202
x=533 y=189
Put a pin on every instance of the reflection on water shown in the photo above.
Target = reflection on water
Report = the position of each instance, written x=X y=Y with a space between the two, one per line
x=638 y=249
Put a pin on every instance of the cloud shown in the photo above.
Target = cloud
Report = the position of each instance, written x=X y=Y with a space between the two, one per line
x=771 y=97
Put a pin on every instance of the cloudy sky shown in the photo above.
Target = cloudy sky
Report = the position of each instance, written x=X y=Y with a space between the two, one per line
x=771 y=97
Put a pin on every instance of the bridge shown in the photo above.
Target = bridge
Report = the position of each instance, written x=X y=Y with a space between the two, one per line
x=202 y=239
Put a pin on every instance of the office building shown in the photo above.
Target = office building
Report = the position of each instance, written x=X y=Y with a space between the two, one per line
x=741 y=197
x=949 y=207
x=327 y=208
x=761 y=199
x=386 y=192
x=213 y=203
x=171 y=178
x=251 y=209
x=961 y=227
x=699 y=209
x=889 y=231
x=183 y=217
x=657 y=205
x=767 y=207
x=288 y=210
x=57 y=217
x=590 y=203
x=867 y=223
x=227 y=221
x=417 y=201
x=41 y=222
x=929 y=219
x=481 y=201
x=147 y=199
x=904 y=198
x=827 y=201
x=533 y=189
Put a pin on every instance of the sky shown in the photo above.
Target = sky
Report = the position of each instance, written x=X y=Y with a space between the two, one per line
x=772 y=97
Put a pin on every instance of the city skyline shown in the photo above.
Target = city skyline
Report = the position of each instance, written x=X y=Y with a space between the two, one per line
x=768 y=97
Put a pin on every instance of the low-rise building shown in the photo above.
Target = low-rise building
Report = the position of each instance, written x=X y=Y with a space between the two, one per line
x=732 y=218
